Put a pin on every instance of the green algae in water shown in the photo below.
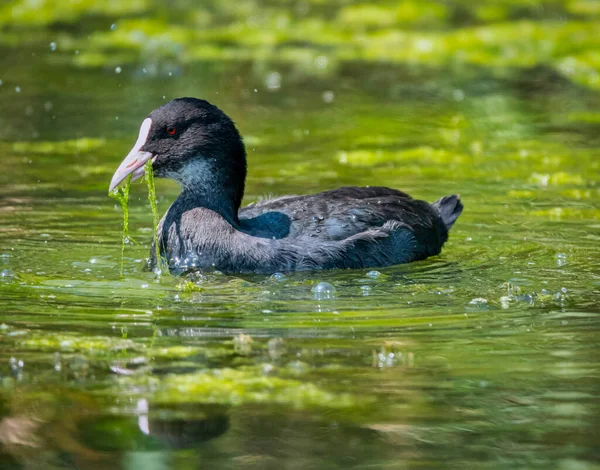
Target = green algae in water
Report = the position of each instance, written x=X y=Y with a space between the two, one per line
x=155 y=217
x=121 y=194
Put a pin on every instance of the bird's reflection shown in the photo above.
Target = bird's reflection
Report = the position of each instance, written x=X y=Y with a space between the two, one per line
x=154 y=428
x=181 y=432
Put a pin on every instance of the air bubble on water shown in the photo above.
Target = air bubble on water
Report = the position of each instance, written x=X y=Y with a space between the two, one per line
x=273 y=81
x=561 y=259
x=279 y=277
x=145 y=286
x=479 y=302
x=323 y=291
x=118 y=69
x=366 y=290
x=18 y=89
x=16 y=364
x=563 y=290
x=373 y=274
x=52 y=46
x=6 y=275
x=113 y=26
x=328 y=96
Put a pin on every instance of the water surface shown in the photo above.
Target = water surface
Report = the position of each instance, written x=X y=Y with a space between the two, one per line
x=482 y=357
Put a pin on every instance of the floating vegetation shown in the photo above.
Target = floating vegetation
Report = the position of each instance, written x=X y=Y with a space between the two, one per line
x=239 y=387
x=495 y=35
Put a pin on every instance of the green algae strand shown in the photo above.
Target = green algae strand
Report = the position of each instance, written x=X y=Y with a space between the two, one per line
x=121 y=194
x=155 y=217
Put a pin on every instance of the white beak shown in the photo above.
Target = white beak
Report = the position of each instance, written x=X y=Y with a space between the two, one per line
x=135 y=160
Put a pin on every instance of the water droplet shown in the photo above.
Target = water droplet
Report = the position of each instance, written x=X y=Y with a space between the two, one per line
x=57 y=362
x=113 y=26
x=458 y=95
x=118 y=69
x=52 y=46
x=321 y=62
x=373 y=274
x=273 y=81
x=323 y=291
x=18 y=89
x=328 y=96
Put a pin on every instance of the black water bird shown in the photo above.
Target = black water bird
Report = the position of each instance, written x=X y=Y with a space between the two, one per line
x=194 y=143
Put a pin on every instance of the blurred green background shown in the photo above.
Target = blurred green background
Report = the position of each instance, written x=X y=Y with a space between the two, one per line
x=483 y=357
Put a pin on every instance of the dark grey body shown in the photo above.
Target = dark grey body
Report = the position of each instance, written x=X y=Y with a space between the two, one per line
x=348 y=227
x=196 y=144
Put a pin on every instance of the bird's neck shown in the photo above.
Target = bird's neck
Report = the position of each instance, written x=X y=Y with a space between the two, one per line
x=206 y=185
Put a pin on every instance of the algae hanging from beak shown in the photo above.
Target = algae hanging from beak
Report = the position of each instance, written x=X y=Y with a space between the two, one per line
x=149 y=176
x=121 y=194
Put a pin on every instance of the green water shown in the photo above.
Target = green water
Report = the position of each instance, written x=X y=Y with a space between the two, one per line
x=486 y=356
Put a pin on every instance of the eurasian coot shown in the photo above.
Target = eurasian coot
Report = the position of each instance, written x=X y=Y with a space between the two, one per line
x=194 y=143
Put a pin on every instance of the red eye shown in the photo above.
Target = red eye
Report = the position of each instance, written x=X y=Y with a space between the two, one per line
x=171 y=130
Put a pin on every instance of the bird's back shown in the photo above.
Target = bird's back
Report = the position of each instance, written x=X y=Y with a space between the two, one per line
x=342 y=213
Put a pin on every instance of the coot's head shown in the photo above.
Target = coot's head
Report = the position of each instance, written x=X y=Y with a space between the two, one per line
x=192 y=142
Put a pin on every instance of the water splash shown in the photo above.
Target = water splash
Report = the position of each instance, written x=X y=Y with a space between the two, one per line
x=121 y=194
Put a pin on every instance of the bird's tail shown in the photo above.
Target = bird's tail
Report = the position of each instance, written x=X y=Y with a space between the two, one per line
x=449 y=208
